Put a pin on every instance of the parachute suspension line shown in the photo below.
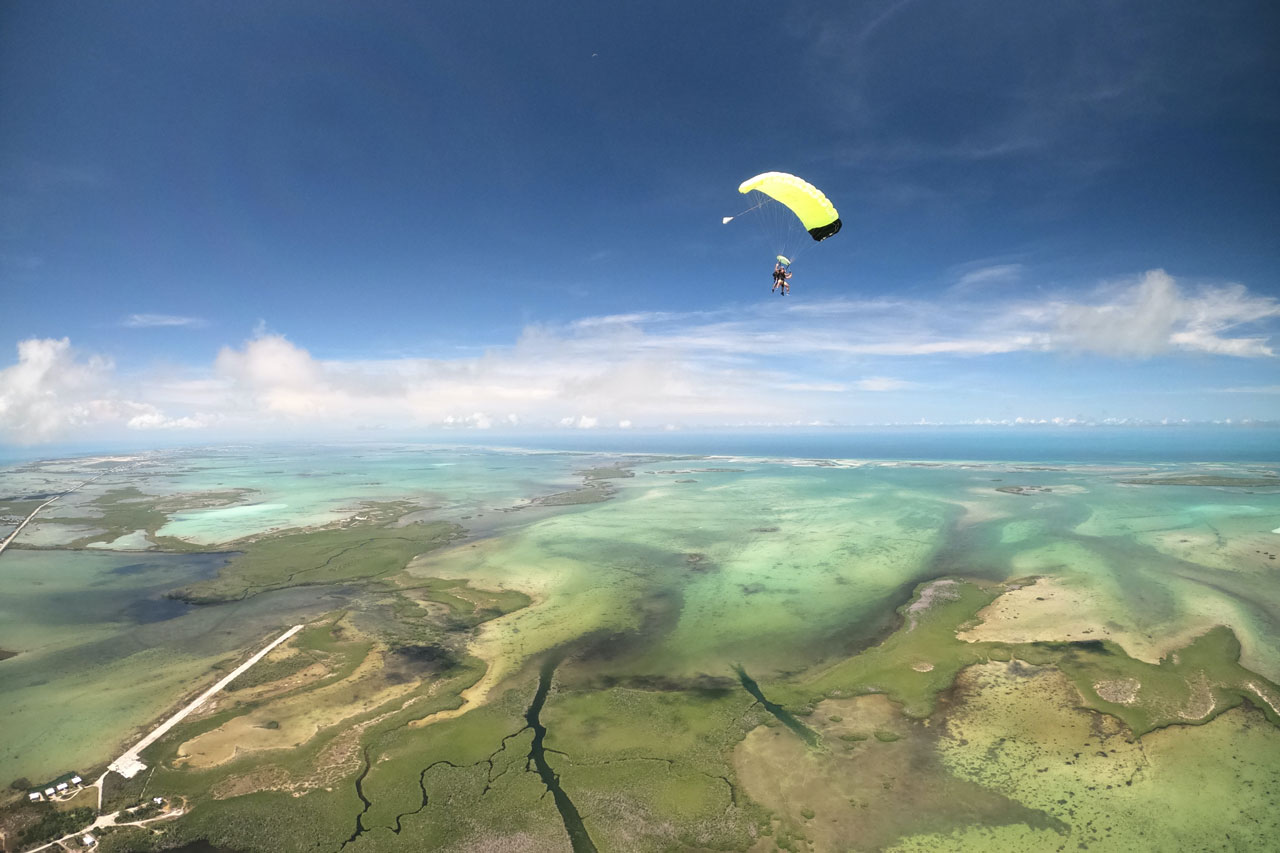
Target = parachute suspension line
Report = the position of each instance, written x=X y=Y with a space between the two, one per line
x=792 y=212
x=779 y=229
x=727 y=219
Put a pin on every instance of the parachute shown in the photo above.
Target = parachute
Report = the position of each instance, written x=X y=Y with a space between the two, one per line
x=815 y=211
x=788 y=211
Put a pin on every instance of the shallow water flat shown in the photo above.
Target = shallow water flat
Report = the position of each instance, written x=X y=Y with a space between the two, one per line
x=873 y=605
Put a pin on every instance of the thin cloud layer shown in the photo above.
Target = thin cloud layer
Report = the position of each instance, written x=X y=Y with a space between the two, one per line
x=843 y=361
x=149 y=321
x=1153 y=316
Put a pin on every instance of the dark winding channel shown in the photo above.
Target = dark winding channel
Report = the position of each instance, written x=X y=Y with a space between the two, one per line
x=784 y=716
x=535 y=761
x=361 y=829
x=578 y=836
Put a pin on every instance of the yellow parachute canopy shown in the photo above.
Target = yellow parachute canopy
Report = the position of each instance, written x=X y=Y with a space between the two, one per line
x=815 y=211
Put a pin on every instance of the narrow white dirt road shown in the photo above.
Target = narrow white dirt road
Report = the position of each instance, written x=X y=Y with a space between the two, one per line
x=128 y=765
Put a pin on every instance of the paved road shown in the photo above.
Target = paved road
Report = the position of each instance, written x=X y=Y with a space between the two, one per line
x=14 y=535
x=128 y=765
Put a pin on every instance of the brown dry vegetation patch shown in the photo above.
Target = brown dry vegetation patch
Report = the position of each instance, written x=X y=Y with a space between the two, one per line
x=876 y=778
x=340 y=758
x=1052 y=611
x=292 y=721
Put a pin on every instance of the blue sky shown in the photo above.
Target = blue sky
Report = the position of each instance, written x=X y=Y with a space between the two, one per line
x=233 y=218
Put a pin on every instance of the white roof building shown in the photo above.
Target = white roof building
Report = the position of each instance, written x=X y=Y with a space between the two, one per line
x=34 y=796
x=62 y=786
x=88 y=840
x=48 y=792
x=76 y=780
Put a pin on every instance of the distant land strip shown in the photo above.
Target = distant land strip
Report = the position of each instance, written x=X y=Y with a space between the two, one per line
x=14 y=535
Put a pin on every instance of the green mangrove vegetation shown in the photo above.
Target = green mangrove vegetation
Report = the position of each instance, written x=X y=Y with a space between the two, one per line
x=827 y=656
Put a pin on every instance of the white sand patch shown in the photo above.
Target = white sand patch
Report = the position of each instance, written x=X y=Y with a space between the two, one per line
x=982 y=510
x=1122 y=691
x=1265 y=694
x=135 y=541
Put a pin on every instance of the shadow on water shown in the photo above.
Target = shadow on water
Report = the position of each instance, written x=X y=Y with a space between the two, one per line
x=147 y=610
x=784 y=716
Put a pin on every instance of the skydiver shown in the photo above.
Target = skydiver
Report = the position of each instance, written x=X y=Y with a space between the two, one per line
x=780 y=276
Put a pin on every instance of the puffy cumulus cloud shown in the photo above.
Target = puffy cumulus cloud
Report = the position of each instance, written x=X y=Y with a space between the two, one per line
x=48 y=391
x=149 y=417
x=52 y=392
x=274 y=377
x=580 y=422
x=476 y=420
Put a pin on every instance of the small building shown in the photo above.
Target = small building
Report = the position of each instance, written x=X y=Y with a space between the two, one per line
x=88 y=840
x=62 y=786
x=48 y=792
x=159 y=801
x=76 y=780
x=35 y=796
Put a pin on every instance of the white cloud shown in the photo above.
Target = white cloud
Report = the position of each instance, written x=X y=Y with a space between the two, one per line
x=153 y=418
x=993 y=274
x=1153 y=316
x=1139 y=322
x=762 y=364
x=51 y=392
x=147 y=321
x=881 y=383
x=48 y=390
